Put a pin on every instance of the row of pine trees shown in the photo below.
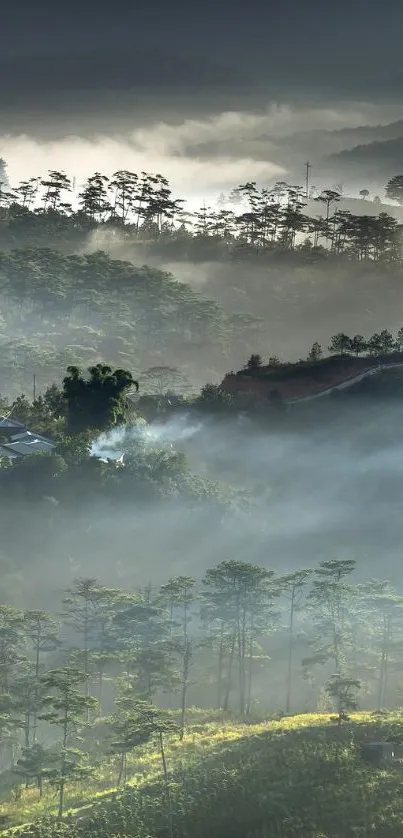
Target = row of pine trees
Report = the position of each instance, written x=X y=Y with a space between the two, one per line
x=258 y=216
x=128 y=659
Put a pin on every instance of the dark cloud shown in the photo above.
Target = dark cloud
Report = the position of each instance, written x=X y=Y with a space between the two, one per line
x=145 y=70
x=279 y=51
x=97 y=71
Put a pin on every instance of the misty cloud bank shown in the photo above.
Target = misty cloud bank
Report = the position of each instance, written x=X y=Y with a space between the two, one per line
x=211 y=151
x=326 y=489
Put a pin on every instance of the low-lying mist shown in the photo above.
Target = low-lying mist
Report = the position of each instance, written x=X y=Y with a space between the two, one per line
x=325 y=488
x=292 y=300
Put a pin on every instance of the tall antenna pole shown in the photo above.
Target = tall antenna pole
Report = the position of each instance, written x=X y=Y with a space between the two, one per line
x=308 y=166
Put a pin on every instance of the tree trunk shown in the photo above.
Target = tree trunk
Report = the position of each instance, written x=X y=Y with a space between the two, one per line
x=122 y=768
x=35 y=716
x=27 y=729
x=382 y=670
x=61 y=797
x=250 y=668
x=241 y=663
x=290 y=651
x=100 y=690
x=166 y=781
x=185 y=677
x=63 y=764
x=86 y=632
x=229 y=674
x=220 y=665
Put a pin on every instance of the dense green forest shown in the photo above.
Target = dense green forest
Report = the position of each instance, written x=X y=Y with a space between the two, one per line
x=90 y=277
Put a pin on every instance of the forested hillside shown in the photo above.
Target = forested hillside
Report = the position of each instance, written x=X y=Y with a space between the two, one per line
x=185 y=571
x=247 y=267
x=60 y=309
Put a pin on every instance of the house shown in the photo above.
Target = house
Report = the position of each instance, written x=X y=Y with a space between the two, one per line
x=17 y=441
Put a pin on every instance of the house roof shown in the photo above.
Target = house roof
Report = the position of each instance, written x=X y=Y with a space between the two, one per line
x=21 y=441
x=11 y=425
x=28 y=444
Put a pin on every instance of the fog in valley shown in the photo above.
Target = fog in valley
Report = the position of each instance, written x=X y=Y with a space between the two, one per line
x=328 y=489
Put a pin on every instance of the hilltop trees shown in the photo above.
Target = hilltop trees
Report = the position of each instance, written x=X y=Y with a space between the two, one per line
x=254 y=362
x=94 y=200
x=340 y=344
x=315 y=352
x=358 y=345
x=252 y=217
x=3 y=178
x=54 y=185
x=380 y=343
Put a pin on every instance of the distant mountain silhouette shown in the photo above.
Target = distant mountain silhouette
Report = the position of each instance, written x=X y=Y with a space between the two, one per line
x=324 y=142
x=386 y=157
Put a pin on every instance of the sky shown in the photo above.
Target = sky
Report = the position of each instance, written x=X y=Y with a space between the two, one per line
x=85 y=83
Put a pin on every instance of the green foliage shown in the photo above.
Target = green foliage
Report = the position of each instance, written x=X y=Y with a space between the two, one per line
x=344 y=691
x=330 y=599
x=66 y=708
x=36 y=764
x=214 y=398
x=96 y=403
x=300 y=776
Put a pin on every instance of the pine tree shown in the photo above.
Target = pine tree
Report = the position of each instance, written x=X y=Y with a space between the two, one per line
x=67 y=709
x=135 y=724
x=79 y=604
x=179 y=594
x=343 y=690
x=292 y=587
x=247 y=593
x=36 y=764
x=328 y=604
x=316 y=352
x=42 y=631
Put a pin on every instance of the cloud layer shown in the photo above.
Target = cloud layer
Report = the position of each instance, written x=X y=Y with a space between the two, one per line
x=200 y=156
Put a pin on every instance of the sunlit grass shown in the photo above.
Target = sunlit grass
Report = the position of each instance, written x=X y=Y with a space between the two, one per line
x=229 y=747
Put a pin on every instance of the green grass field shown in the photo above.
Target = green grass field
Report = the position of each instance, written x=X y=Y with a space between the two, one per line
x=300 y=777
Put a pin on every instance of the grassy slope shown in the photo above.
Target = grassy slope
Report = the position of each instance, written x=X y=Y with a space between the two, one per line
x=298 y=778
